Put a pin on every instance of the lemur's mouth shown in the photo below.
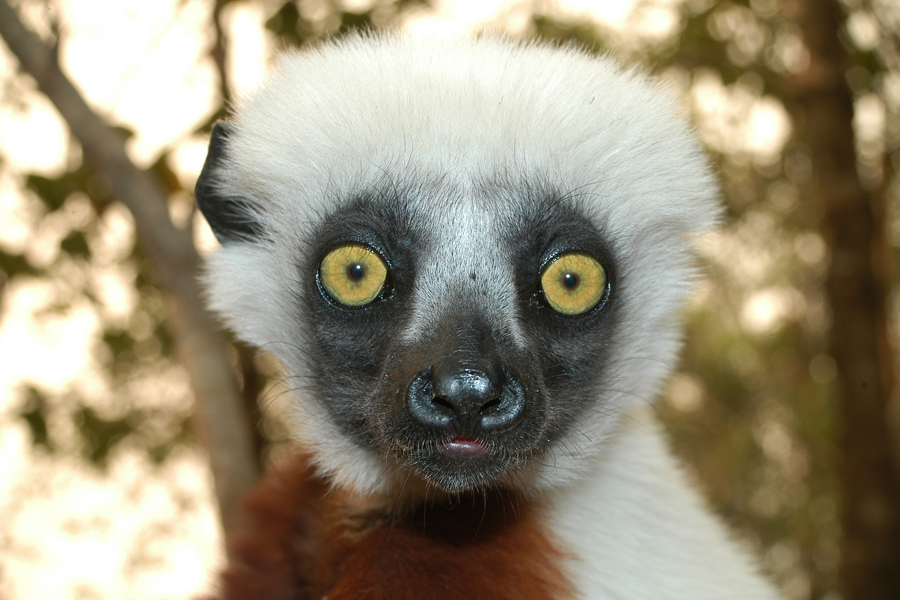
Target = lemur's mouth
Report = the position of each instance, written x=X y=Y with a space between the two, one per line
x=457 y=462
x=462 y=448
x=464 y=409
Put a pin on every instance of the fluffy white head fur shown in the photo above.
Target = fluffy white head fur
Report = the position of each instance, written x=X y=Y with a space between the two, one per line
x=465 y=113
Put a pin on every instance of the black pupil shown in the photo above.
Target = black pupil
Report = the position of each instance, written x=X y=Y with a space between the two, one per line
x=356 y=271
x=570 y=280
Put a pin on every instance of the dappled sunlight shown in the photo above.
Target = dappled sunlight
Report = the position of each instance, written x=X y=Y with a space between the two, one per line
x=35 y=138
x=160 y=83
x=685 y=392
x=41 y=343
x=247 y=62
x=869 y=122
x=133 y=528
x=137 y=531
x=737 y=119
x=766 y=311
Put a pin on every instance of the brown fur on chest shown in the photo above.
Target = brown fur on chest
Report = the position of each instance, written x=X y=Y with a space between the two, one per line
x=303 y=540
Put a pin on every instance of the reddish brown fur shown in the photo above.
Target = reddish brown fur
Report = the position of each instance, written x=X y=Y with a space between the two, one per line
x=303 y=541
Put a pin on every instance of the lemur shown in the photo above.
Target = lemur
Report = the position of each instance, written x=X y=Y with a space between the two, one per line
x=469 y=256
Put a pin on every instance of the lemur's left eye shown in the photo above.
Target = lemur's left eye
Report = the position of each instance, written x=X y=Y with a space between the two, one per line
x=353 y=275
x=573 y=283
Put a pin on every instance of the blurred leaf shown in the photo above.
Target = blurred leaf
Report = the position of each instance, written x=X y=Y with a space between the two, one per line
x=402 y=5
x=583 y=33
x=75 y=244
x=34 y=413
x=53 y=191
x=118 y=341
x=126 y=132
x=158 y=453
x=289 y=24
x=206 y=126
x=16 y=264
x=352 y=20
x=100 y=435
x=166 y=175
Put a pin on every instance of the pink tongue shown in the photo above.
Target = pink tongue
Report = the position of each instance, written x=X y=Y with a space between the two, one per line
x=463 y=447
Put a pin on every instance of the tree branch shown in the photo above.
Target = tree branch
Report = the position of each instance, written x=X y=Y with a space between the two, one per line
x=201 y=349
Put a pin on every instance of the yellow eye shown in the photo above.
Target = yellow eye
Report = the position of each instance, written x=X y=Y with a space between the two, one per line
x=353 y=275
x=573 y=283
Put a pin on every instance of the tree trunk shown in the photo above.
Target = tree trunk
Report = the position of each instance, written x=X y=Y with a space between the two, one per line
x=856 y=287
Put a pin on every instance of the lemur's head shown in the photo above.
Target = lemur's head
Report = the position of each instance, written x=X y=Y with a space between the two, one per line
x=469 y=255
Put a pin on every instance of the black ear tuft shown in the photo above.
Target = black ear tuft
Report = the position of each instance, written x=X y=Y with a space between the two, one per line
x=231 y=217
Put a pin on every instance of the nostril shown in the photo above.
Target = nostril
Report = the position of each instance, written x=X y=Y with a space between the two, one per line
x=505 y=411
x=490 y=405
x=441 y=403
x=424 y=408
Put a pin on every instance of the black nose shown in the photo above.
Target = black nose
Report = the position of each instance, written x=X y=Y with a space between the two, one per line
x=465 y=398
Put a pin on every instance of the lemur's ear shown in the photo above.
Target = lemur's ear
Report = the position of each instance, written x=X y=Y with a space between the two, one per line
x=229 y=215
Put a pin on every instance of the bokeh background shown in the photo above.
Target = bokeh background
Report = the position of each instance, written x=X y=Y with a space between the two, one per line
x=783 y=407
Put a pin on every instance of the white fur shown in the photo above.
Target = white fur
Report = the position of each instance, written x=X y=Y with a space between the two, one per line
x=638 y=531
x=468 y=116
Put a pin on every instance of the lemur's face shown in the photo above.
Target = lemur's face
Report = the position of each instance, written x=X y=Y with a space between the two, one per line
x=469 y=257
x=458 y=336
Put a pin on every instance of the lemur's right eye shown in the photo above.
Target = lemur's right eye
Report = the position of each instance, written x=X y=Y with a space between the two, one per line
x=353 y=275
